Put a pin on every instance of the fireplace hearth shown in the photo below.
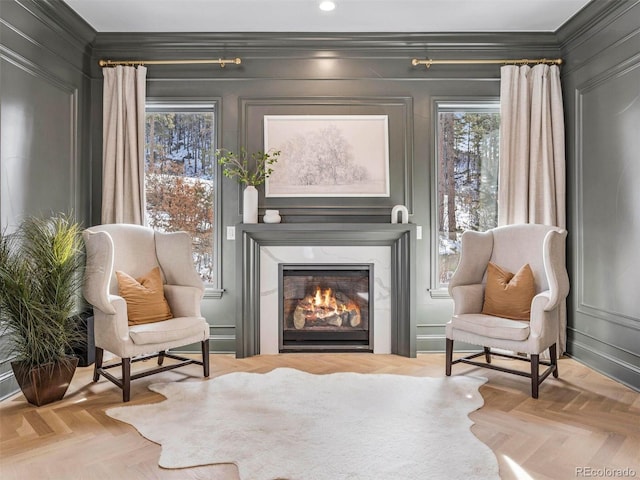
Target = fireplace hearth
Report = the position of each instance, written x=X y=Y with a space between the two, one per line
x=326 y=307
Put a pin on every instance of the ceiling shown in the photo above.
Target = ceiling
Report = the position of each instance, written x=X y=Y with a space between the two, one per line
x=305 y=16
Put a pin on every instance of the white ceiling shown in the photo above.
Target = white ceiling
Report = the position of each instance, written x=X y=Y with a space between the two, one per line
x=305 y=16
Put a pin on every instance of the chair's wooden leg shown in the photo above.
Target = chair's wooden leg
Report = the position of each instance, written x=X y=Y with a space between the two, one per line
x=553 y=354
x=126 y=379
x=449 y=356
x=535 y=360
x=98 y=363
x=487 y=354
x=205 y=357
x=160 y=357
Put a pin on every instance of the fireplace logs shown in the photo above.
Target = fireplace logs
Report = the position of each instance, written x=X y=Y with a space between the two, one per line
x=323 y=308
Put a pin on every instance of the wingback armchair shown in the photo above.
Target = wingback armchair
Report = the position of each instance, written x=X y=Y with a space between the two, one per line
x=136 y=250
x=510 y=247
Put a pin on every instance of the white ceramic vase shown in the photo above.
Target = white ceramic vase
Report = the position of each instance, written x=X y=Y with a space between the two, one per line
x=250 y=205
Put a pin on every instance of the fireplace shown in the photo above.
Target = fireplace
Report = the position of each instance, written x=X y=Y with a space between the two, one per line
x=261 y=248
x=325 y=307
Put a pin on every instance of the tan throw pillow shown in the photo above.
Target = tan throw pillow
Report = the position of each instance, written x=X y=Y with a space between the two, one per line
x=508 y=295
x=144 y=297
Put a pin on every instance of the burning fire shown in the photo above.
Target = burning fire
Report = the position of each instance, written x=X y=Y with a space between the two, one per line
x=323 y=307
x=325 y=299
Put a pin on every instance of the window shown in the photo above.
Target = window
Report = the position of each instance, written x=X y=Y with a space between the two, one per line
x=180 y=177
x=467 y=174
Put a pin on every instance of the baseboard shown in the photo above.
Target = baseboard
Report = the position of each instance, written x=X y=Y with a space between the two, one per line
x=8 y=385
x=607 y=365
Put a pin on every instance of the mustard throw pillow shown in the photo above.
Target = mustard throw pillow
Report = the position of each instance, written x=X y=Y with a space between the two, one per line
x=144 y=297
x=508 y=295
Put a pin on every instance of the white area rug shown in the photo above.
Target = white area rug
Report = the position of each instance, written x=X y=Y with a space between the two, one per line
x=344 y=426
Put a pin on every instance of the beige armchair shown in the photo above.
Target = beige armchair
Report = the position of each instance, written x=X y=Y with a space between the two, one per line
x=137 y=250
x=510 y=247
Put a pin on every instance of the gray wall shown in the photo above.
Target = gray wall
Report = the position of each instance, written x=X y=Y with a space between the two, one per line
x=44 y=150
x=297 y=73
x=601 y=82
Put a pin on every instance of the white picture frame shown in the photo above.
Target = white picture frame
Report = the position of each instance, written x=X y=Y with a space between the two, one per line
x=328 y=155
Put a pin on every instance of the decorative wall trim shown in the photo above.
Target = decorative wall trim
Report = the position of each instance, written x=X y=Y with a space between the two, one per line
x=36 y=71
x=61 y=19
x=584 y=307
x=591 y=20
x=400 y=112
x=296 y=42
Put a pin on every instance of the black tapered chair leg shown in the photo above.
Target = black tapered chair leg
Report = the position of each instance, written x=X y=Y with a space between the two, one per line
x=126 y=379
x=553 y=354
x=487 y=354
x=535 y=361
x=449 y=356
x=161 y=357
x=98 y=364
x=205 y=357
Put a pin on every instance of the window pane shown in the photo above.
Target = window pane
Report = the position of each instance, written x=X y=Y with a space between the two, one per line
x=180 y=179
x=468 y=147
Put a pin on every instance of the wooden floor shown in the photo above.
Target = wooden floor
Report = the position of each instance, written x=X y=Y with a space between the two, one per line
x=582 y=420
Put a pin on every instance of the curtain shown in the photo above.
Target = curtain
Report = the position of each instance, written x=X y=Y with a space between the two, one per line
x=123 y=144
x=531 y=175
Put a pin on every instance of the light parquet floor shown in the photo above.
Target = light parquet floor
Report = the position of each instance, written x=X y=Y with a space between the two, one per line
x=582 y=420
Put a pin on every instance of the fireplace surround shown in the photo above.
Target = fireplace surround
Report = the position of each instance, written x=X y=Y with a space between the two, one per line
x=398 y=239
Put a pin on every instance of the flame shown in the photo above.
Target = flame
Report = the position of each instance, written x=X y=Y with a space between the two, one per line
x=324 y=299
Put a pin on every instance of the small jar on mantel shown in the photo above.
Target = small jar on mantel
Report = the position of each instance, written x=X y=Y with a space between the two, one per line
x=272 y=216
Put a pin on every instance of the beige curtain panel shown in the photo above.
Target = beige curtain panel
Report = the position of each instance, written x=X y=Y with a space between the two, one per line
x=531 y=182
x=123 y=144
x=531 y=178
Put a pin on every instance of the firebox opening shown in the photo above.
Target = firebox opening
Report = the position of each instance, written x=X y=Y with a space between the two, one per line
x=326 y=307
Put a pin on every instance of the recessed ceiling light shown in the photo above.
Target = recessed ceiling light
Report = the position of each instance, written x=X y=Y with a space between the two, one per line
x=327 y=6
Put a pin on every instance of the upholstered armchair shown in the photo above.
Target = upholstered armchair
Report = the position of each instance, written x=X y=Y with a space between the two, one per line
x=531 y=332
x=119 y=255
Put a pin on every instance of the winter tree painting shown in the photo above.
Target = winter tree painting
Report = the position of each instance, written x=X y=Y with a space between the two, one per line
x=328 y=155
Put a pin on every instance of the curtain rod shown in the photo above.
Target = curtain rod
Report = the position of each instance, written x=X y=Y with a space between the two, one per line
x=220 y=61
x=520 y=61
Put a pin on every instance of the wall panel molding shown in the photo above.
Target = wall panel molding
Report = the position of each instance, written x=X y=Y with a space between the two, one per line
x=73 y=140
x=584 y=304
x=400 y=112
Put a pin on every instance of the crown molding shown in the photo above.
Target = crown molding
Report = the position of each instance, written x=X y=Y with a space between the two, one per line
x=58 y=16
x=595 y=16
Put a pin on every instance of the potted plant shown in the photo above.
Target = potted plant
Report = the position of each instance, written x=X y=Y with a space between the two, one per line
x=40 y=280
x=250 y=170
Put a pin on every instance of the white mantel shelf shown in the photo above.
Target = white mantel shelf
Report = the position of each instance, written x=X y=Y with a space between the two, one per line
x=401 y=238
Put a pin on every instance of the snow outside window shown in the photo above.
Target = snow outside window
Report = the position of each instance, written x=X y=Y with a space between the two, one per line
x=180 y=169
x=467 y=175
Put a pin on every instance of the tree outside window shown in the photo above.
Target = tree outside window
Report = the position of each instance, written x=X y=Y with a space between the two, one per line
x=180 y=170
x=467 y=172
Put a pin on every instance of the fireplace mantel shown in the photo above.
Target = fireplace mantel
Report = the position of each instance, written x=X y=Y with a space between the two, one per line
x=401 y=238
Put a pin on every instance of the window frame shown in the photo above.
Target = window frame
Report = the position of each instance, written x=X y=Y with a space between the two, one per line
x=214 y=105
x=439 y=104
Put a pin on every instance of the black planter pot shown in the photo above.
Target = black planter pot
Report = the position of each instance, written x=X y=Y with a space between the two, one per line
x=46 y=383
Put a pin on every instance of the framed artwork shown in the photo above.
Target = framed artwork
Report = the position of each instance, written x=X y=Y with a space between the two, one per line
x=328 y=155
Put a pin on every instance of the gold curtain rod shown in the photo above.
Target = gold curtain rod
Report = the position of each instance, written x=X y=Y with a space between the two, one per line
x=521 y=61
x=220 y=61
